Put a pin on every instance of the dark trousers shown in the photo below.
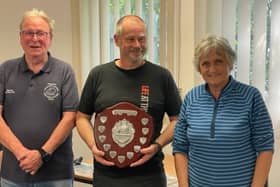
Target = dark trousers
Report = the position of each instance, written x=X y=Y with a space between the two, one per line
x=151 y=180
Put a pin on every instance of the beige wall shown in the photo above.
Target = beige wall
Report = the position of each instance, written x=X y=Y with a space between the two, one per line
x=10 y=16
x=194 y=24
x=65 y=45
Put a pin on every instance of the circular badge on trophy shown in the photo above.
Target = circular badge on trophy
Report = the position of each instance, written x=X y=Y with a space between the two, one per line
x=121 y=131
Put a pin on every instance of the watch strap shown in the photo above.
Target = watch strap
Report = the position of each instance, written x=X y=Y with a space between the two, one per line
x=44 y=155
x=159 y=146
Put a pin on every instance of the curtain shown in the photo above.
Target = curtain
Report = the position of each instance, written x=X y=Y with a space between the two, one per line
x=252 y=29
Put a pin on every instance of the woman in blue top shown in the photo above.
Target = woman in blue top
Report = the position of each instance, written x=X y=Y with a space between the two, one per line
x=224 y=134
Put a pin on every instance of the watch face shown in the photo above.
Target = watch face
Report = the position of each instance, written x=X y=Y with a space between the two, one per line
x=45 y=156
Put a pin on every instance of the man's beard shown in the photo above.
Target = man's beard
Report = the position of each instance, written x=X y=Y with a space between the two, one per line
x=141 y=53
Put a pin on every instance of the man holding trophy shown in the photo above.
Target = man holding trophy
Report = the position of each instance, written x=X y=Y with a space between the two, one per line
x=128 y=98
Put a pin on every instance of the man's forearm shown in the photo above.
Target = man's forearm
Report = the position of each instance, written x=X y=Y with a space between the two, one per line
x=61 y=132
x=167 y=135
x=9 y=140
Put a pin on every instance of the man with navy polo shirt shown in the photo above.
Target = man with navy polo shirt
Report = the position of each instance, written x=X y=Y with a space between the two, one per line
x=38 y=102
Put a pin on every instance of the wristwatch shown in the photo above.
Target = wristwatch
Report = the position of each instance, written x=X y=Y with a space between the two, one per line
x=45 y=156
x=159 y=146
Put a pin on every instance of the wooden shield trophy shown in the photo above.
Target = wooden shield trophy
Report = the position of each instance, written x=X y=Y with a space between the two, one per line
x=121 y=131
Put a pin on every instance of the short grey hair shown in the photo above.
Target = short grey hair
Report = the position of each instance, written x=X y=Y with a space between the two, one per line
x=218 y=43
x=121 y=20
x=37 y=13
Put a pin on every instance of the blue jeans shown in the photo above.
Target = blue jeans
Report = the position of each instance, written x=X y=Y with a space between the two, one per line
x=56 y=183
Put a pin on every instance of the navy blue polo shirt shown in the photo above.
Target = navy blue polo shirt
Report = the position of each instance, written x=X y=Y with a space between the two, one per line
x=33 y=105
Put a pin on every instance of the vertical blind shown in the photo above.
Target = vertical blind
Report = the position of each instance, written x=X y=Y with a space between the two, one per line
x=252 y=28
x=254 y=32
x=97 y=27
x=98 y=19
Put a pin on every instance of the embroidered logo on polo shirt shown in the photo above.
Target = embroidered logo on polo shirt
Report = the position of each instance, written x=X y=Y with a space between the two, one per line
x=51 y=91
x=9 y=91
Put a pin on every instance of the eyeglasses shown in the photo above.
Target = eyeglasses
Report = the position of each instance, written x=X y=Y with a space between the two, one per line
x=31 y=34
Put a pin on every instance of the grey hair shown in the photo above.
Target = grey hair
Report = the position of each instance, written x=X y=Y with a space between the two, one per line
x=37 y=13
x=121 y=20
x=218 y=43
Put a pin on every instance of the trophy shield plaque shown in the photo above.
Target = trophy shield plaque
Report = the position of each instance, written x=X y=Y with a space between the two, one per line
x=121 y=131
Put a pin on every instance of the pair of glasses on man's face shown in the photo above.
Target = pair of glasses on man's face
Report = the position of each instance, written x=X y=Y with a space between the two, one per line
x=31 y=34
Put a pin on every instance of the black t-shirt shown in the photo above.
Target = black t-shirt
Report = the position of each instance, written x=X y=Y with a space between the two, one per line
x=149 y=87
